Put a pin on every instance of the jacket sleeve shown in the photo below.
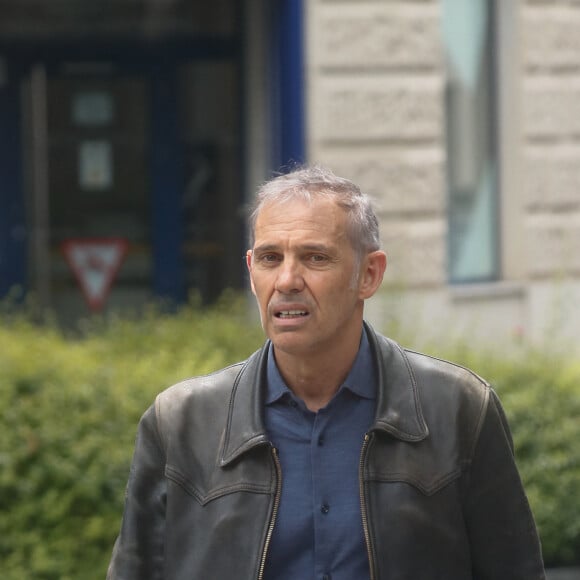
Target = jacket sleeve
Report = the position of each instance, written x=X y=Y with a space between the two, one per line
x=503 y=536
x=139 y=550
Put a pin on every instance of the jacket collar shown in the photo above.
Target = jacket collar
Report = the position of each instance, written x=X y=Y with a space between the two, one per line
x=399 y=409
x=398 y=406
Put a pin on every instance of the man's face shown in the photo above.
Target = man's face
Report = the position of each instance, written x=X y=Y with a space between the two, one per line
x=302 y=270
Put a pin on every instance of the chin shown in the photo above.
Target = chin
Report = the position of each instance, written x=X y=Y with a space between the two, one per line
x=290 y=345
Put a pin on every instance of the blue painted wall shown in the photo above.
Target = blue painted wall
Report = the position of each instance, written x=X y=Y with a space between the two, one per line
x=167 y=182
x=288 y=92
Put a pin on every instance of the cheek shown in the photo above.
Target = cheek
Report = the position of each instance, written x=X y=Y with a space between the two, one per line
x=344 y=283
x=259 y=289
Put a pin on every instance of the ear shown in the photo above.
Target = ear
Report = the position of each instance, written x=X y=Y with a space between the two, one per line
x=371 y=274
x=249 y=266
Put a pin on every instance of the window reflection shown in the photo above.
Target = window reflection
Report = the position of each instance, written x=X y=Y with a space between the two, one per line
x=472 y=162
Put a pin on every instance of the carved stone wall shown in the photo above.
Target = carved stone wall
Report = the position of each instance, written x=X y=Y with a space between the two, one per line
x=551 y=126
x=377 y=36
x=375 y=115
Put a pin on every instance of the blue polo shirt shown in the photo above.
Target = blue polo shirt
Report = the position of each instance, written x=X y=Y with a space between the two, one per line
x=318 y=533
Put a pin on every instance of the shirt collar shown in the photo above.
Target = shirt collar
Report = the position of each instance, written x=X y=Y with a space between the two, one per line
x=360 y=379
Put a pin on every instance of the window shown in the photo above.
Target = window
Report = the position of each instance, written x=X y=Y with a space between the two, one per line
x=473 y=245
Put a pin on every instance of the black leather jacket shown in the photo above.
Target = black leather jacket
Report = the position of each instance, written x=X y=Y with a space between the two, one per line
x=441 y=495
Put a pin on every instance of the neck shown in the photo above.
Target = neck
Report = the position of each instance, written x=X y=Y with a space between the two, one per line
x=315 y=378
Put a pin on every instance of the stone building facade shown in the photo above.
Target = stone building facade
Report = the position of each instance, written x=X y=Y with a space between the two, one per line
x=377 y=113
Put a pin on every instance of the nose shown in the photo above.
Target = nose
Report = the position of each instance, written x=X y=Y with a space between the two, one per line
x=289 y=279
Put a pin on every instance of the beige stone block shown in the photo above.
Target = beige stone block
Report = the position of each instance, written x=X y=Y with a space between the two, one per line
x=385 y=108
x=416 y=251
x=551 y=176
x=552 y=107
x=553 y=241
x=376 y=35
x=547 y=4
x=551 y=36
x=554 y=315
x=401 y=180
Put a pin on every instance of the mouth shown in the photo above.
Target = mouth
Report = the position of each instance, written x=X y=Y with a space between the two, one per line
x=286 y=314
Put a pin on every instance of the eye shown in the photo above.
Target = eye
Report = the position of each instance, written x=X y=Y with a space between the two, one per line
x=318 y=259
x=269 y=258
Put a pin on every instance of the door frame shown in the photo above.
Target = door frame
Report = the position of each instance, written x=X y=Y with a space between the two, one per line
x=157 y=63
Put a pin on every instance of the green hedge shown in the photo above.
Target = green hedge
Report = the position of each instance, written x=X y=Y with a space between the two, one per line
x=69 y=410
x=69 y=407
x=540 y=391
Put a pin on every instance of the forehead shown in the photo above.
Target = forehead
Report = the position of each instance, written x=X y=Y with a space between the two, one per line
x=318 y=218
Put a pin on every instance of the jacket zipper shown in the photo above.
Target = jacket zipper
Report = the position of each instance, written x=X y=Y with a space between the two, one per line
x=363 y=506
x=274 y=512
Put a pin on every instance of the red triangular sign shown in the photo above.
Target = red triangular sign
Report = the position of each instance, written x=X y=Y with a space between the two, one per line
x=95 y=263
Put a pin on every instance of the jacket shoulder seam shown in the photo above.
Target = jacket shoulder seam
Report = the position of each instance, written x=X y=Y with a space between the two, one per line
x=159 y=411
x=482 y=400
x=450 y=363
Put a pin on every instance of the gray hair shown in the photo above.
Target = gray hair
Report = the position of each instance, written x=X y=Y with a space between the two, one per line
x=307 y=182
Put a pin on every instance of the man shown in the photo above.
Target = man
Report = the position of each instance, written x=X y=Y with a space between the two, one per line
x=331 y=453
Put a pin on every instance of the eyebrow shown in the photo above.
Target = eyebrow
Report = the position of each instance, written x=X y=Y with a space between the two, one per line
x=304 y=247
x=264 y=248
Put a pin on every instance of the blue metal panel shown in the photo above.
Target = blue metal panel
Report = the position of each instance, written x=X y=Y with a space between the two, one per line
x=290 y=42
x=12 y=213
x=167 y=177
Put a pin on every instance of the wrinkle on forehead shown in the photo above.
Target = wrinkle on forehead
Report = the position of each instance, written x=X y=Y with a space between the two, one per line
x=320 y=217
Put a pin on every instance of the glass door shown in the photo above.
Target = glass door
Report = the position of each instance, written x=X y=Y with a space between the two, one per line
x=90 y=184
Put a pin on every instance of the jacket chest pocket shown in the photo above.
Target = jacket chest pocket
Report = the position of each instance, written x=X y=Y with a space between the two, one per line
x=254 y=472
x=425 y=466
x=417 y=525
